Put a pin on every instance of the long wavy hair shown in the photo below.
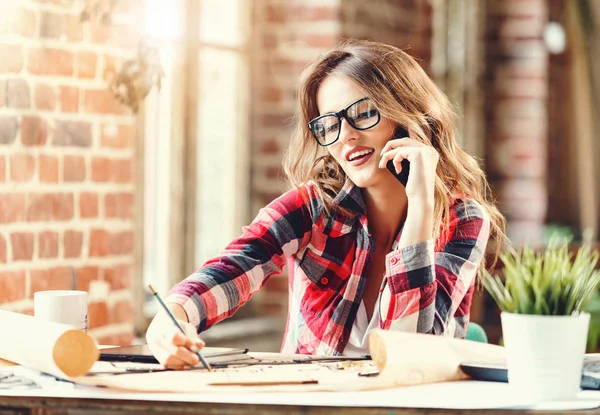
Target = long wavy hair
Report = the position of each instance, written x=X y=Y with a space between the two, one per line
x=404 y=94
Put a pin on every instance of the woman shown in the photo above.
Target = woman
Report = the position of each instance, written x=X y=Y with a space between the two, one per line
x=364 y=250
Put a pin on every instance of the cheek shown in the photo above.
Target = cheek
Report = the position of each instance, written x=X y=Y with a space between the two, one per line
x=335 y=151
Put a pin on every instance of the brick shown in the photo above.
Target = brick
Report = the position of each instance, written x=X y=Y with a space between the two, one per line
x=88 y=205
x=99 y=243
x=59 y=278
x=51 y=25
x=118 y=205
x=48 y=207
x=47 y=61
x=273 y=172
x=305 y=13
x=102 y=101
x=22 y=167
x=17 y=94
x=276 y=13
x=119 y=276
x=97 y=314
x=47 y=244
x=48 y=166
x=2 y=169
x=3 y=102
x=86 y=65
x=122 y=312
x=73 y=133
x=272 y=94
x=18 y=21
x=121 y=339
x=8 y=129
x=121 y=243
x=123 y=170
x=319 y=41
x=12 y=207
x=110 y=68
x=69 y=99
x=85 y=275
x=73 y=241
x=100 y=33
x=3 y=251
x=269 y=147
x=73 y=28
x=34 y=131
x=12 y=286
x=102 y=169
x=121 y=136
x=44 y=97
x=22 y=246
x=12 y=58
x=73 y=169
x=275 y=120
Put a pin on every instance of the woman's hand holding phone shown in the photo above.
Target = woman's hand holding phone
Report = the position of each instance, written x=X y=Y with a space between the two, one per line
x=405 y=151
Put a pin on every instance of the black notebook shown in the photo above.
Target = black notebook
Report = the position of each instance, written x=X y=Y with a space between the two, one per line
x=142 y=354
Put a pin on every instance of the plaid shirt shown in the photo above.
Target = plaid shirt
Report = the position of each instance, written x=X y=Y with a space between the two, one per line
x=427 y=287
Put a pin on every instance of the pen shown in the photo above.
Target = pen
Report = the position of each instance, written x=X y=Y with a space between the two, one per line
x=195 y=348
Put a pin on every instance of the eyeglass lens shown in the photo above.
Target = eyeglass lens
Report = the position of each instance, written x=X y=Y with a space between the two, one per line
x=361 y=115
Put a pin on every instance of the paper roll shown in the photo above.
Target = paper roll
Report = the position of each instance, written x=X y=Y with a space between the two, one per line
x=414 y=359
x=53 y=348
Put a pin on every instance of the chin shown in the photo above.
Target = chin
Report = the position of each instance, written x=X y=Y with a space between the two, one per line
x=364 y=179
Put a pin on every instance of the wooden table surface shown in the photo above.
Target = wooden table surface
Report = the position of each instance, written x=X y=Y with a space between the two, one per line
x=24 y=405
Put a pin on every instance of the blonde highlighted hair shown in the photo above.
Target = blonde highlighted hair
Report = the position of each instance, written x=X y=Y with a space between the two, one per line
x=404 y=94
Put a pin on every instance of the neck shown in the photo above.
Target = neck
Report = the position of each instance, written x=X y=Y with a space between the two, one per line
x=386 y=210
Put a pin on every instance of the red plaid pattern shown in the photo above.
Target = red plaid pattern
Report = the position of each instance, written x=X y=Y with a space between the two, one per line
x=427 y=288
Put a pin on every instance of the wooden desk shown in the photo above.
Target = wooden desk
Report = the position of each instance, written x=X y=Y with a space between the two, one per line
x=78 y=406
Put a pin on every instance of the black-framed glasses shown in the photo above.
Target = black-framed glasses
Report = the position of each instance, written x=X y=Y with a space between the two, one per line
x=361 y=115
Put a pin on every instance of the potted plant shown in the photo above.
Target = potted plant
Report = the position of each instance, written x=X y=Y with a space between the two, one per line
x=542 y=299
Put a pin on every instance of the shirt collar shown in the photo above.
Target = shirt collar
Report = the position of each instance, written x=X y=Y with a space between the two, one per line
x=350 y=197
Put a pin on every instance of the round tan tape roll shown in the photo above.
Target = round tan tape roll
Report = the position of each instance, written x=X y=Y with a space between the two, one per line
x=75 y=352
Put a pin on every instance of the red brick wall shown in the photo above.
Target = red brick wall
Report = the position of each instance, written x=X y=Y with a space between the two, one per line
x=405 y=24
x=517 y=120
x=66 y=163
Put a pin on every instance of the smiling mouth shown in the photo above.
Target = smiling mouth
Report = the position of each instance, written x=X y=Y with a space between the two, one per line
x=358 y=155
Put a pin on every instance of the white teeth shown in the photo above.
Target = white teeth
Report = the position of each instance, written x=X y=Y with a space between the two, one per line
x=359 y=153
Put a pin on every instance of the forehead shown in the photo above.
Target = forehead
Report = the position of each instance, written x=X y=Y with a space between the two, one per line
x=337 y=92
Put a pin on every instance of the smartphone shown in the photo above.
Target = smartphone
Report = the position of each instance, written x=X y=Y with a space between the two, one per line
x=403 y=175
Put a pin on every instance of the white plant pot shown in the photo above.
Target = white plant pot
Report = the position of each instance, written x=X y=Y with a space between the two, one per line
x=544 y=354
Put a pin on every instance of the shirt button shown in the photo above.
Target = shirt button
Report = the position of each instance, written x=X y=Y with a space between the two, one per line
x=324 y=280
x=394 y=261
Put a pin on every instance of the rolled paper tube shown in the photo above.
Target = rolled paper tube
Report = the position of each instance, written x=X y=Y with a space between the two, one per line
x=414 y=359
x=53 y=348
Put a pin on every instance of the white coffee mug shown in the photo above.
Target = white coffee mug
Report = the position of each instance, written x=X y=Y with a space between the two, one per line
x=62 y=306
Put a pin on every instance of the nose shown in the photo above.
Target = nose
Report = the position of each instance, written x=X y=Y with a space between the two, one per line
x=347 y=132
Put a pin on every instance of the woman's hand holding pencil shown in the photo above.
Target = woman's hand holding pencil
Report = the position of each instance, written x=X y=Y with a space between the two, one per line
x=172 y=347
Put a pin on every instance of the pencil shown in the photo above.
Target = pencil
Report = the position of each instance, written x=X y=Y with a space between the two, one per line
x=267 y=383
x=195 y=348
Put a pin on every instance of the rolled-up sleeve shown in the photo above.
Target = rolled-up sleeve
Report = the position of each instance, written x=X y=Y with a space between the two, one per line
x=430 y=292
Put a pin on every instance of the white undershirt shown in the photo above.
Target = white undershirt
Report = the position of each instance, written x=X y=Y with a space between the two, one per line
x=358 y=344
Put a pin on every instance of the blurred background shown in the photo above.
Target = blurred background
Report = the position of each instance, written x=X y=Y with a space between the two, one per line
x=137 y=137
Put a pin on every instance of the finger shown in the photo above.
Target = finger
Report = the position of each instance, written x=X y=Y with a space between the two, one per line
x=174 y=367
x=184 y=354
x=404 y=152
x=192 y=335
x=403 y=142
x=397 y=160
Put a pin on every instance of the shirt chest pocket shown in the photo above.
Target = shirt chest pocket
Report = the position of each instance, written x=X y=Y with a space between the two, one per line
x=325 y=274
